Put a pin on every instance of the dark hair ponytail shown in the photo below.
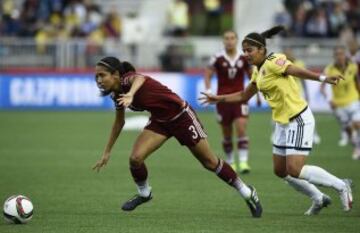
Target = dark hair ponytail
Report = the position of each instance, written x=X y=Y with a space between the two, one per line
x=128 y=67
x=272 y=31
x=259 y=39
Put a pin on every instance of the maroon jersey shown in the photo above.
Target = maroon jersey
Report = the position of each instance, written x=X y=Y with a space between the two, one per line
x=230 y=72
x=152 y=96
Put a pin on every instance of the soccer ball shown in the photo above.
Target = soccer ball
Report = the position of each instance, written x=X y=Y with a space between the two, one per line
x=18 y=209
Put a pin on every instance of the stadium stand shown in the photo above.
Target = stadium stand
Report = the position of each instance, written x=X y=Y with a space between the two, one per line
x=75 y=33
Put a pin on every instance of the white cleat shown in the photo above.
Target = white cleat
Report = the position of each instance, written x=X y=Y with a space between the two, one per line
x=317 y=206
x=316 y=139
x=343 y=141
x=356 y=154
x=346 y=197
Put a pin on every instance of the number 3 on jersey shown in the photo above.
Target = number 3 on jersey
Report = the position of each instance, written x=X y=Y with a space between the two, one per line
x=193 y=130
x=232 y=72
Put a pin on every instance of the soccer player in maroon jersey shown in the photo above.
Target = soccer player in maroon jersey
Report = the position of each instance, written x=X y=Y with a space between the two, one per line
x=169 y=116
x=231 y=68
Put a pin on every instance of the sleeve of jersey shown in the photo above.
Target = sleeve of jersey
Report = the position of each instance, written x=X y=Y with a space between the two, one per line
x=278 y=64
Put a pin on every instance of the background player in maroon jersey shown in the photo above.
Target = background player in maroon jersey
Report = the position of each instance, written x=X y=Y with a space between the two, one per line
x=231 y=69
x=170 y=116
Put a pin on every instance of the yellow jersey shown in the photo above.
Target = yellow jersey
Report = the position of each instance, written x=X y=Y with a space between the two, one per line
x=281 y=91
x=345 y=92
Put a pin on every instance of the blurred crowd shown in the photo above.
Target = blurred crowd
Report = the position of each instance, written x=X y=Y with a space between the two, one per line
x=48 y=20
x=205 y=17
x=320 y=18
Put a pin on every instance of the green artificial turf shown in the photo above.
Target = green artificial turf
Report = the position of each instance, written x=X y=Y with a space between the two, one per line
x=48 y=156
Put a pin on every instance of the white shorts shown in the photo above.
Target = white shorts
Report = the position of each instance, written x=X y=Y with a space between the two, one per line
x=296 y=137
x=348 y=114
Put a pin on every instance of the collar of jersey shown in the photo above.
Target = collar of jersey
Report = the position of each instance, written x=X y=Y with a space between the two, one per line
x=346 y=66
x=229 y=59
x=259 y=67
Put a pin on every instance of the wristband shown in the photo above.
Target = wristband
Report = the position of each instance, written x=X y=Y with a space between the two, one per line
x=322 y=78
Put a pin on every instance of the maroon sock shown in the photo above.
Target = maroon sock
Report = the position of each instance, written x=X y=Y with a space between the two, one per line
x=243 y=143
x=227 y=145
x=139 y=173
x=225 y=172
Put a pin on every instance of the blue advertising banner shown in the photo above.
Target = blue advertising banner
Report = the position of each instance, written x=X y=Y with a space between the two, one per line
x=53 y=91
x=56 y=91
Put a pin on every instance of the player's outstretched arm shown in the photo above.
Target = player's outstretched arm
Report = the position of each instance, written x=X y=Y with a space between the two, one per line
x=241 y=96
x=136 y=82
x=207 y=79
x=307 y=74
x=115 y=132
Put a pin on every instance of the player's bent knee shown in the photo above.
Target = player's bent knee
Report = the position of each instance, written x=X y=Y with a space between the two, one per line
x=356 y=125
x=293 y=171
x=136 y=160
x=280 y=173
x=209 y=164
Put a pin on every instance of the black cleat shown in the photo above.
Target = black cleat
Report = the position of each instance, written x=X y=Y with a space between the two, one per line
x=254 y=203
x=135 y=202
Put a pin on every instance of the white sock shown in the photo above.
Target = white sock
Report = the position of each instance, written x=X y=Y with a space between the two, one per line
x=305 y=187
x=243 y=189
x=230 y=158
x=144 y=189
x=243 y=155
x=318 y=176
x=344 y=135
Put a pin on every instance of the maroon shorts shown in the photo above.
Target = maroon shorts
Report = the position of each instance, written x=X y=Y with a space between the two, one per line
x=186 y=128
x=228 y=112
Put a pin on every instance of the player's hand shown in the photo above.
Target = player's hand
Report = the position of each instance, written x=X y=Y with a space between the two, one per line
x=125 y=100
x=102 y=162
x=208 y=98
x=334 y=80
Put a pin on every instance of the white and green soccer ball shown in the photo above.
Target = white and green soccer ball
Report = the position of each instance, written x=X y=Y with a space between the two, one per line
x=18 y=209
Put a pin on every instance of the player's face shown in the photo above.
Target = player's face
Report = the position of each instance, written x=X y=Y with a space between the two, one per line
x=104 y=79
x=340 y=56
x=253 y=54
x=230 y=40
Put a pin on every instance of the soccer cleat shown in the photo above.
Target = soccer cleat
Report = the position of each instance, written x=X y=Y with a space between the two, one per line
x=233 y=166
x=343 y=141
x=135 y=202
x=254 y=203
x=346 y=197
x=316 y=207
x=356 y=154
x=356 y=157
x=316 y=139
x=244 y=168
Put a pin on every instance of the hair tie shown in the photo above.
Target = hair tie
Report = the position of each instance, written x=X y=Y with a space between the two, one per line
x=106 y=64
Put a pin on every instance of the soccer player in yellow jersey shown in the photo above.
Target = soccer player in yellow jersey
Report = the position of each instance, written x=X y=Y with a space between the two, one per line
x=345 y=98
x=273 y=76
